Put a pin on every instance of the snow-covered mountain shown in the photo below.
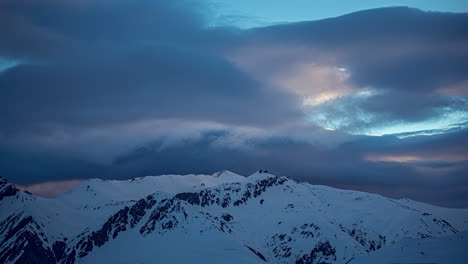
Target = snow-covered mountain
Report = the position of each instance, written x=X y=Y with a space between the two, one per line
x=224 y=218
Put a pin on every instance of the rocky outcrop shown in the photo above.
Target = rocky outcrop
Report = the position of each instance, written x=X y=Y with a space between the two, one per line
x=128 y=217
x=7 y=189
x=275 y=218
x=322 y=253
x=24 y=242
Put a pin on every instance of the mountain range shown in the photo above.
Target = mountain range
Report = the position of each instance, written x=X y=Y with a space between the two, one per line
x=224 y=218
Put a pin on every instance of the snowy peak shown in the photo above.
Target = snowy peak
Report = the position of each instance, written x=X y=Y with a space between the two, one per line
x=228 y=175
x=218 y=218
x=260 y=174
x=97 y=191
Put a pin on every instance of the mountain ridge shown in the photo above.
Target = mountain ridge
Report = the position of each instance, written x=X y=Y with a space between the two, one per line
x=256 y=219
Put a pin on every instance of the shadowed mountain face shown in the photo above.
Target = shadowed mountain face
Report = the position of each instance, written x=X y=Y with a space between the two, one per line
x=219 y=218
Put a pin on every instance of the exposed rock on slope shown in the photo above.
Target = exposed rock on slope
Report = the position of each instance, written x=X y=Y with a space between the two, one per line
x=212 y=218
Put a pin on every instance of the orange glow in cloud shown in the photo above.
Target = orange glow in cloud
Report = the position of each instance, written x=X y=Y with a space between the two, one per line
x=50 y=189
x=316 y=79
x=415 y=158
x=393 y=158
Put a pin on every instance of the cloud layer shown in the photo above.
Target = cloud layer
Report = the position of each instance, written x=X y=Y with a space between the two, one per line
x=117 y=89
x=402 y=65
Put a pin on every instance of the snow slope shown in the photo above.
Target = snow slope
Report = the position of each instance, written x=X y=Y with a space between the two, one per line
x=97 y=191
x=451 y=249
x=222 y=218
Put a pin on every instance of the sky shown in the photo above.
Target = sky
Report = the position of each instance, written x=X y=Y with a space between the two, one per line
x=357 y=96
x=248 y=13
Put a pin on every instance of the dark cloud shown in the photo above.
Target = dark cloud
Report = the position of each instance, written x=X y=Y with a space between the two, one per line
x=346 y=166
x=47 y=28
x=35 y=167
x=435 y=68
x=121 y=62
x=406 y=55
x=409 y=106
x=157 y=83
x=371 y=26
x=96 y=79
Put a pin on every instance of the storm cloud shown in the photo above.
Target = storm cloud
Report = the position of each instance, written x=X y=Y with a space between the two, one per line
x=118 y=89
x=394 y=56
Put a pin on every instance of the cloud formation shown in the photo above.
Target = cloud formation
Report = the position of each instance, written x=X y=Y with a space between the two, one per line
x=117 y=89
x=403 y=59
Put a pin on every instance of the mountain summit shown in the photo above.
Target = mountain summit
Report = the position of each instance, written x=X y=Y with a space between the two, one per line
x=224 y=218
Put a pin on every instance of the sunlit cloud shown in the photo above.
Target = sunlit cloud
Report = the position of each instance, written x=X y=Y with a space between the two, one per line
x=457 y=89
x=404 y=158
x=321 y=98
x=347 y=114
x=342 y=113
x=393 y=158
x=50 y=189
x=435 y=125
x=430 y=165
x=315 y=83
x=299 y=70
